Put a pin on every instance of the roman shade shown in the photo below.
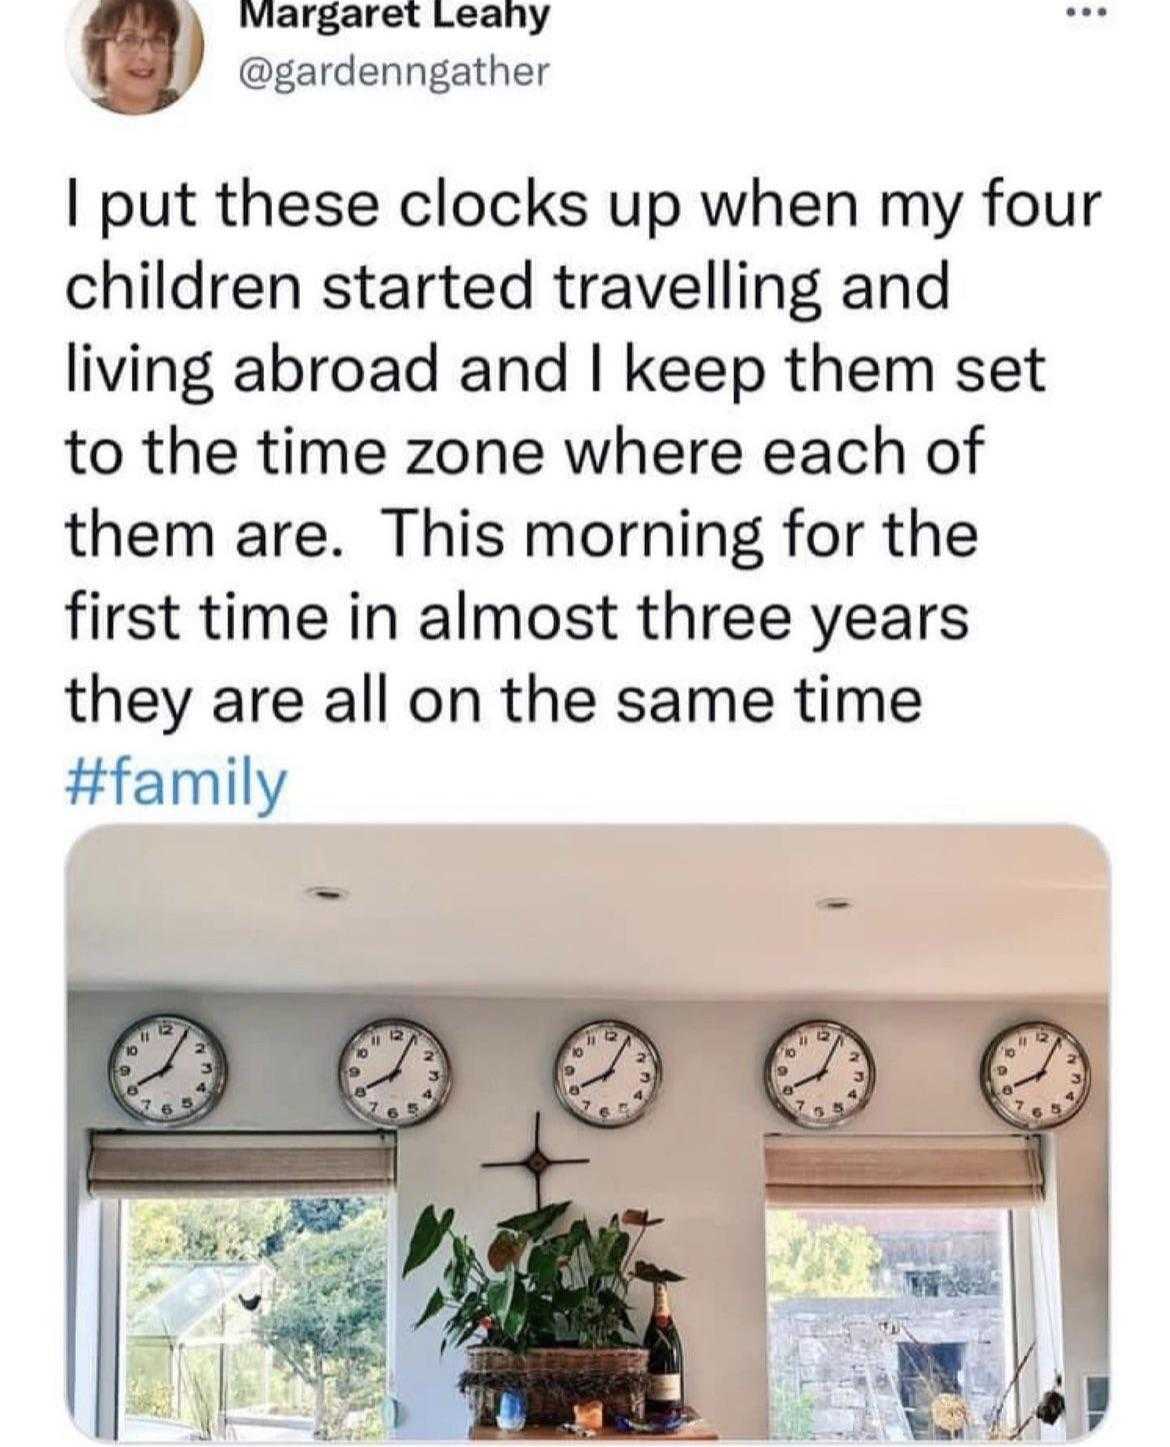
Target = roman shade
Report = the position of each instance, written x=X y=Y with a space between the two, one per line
x=131 y=1164
x=893 y=1171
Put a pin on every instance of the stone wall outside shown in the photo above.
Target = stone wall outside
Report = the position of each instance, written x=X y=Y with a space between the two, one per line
x=836 y=1361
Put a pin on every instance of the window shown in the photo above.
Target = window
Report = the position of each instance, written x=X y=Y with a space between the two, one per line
x=1096 y=1401
x=244 y=1284
x=927 y=1371
x=889 y=1324
x=254 y=1319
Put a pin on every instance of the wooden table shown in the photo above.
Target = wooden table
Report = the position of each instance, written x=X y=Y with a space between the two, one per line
x=697 y=1431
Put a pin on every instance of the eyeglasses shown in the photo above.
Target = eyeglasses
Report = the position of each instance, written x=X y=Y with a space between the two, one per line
x=128 y=43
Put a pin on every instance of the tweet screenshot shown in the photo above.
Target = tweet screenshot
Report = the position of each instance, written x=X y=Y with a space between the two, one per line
x=586 y=601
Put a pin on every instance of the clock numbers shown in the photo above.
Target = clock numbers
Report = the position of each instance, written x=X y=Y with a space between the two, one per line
x=394 y=1072
x=167 y=1070
x=607 y=1073
x=1035 y=1075
x=819 y=1074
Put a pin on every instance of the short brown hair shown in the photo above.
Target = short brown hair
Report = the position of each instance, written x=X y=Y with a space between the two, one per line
x=106 y=21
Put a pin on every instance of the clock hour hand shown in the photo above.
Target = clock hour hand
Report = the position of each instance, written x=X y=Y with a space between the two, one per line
x=1042 y=1072
x=823 y=1071
x=606 y=1074
x=397 y=1071
x=169 y=1063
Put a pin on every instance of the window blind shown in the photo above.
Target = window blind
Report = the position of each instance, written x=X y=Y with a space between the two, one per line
x=129 y=1164
x=859 y=1171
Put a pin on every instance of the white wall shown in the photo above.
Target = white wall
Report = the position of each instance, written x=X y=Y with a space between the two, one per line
x=696 y=1158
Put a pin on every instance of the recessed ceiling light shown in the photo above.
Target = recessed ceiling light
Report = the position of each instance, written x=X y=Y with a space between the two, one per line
x=327 y=893
x=834 y=902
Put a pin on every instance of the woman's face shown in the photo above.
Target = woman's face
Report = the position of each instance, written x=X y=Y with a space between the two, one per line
x=138 y=64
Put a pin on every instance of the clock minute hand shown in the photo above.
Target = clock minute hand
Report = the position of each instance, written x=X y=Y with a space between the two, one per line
x=1042 y=1072
x=823 y=1071
x=169 y=1063
x=1048 y=1057
x=607 y=1073
x=397 y=1071
x=175 y=1051
x=618 y=1056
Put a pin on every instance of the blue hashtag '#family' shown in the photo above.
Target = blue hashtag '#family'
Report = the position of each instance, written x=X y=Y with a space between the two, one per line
x=239 y=783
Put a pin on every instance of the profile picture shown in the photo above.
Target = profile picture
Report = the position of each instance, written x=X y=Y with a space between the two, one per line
x=135 y=56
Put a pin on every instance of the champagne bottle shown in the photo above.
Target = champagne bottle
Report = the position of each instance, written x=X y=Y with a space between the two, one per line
x=664 y=1392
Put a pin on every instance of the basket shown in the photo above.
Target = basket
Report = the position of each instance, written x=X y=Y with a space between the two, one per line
x=490 y=1371
x=557 y=1377
x=553 y=1379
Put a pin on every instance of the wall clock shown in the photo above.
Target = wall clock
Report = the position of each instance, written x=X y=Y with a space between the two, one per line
x=1035 y=1074
x=819 y=1074
x=394 y=1073
x=167 y=1070
x=607 y=1073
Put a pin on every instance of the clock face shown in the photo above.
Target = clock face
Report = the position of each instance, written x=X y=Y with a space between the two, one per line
x=1035 y=1075
x=167 y=1070
x=394 y=1073
x=819 y=1074
x=607 y=1073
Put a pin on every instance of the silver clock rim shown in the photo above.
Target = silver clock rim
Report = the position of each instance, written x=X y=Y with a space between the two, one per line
x=355 y=1109
x=1031 y=1127
x=774 y=1095
x=215 y=1096
x=563 y=1097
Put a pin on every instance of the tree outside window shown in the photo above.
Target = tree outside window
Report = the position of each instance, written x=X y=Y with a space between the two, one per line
x=245 y=1316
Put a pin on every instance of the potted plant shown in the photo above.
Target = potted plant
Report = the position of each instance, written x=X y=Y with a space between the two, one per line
x=550 y=1311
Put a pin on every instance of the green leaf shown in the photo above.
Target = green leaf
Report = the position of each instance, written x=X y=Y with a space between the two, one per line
x=616 y=1306
x=618 y=1243
x=427 y=1238
x=471 y=1308
x=499 y=1295
x=517 y=1314
x=543 y=1264
x=608 y=1251
x=459 y=1267
x=433 y=1307
x=534 y=1224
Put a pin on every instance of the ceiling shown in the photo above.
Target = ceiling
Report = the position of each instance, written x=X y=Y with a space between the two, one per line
x=696 y=912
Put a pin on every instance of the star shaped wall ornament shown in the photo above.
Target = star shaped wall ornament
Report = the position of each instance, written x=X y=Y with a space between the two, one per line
x=536 y=1162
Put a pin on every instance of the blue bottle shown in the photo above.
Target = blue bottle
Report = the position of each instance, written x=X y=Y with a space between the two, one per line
x=513 y=1411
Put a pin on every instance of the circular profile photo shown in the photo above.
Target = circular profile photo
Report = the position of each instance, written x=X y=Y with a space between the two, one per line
x=135 y=56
